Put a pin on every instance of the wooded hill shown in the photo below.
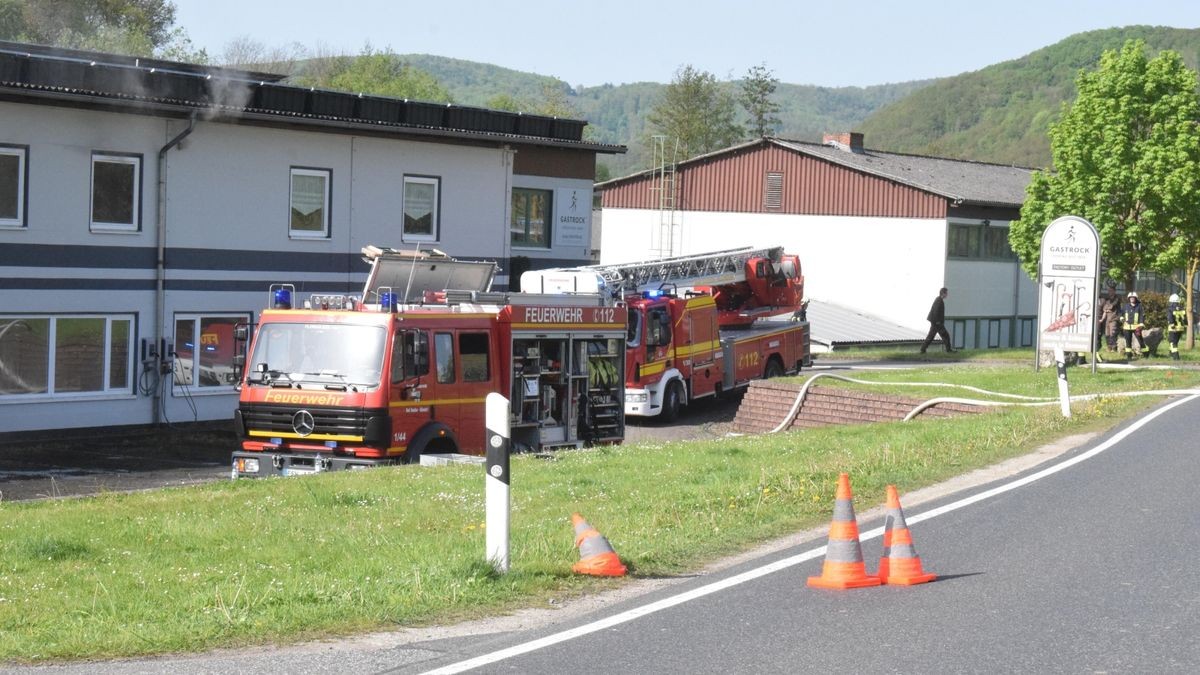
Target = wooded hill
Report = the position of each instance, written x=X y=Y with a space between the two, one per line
x=617 y=113
x=1000 y=113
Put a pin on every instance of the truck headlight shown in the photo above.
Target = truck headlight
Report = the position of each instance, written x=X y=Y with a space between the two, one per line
x=635 y=398
x=247 y=465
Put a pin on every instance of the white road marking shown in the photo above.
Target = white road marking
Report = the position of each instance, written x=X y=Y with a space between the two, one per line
x=785 y=563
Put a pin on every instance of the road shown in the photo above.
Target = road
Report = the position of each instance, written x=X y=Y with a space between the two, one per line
x=1088 y=566
x=1090 y=569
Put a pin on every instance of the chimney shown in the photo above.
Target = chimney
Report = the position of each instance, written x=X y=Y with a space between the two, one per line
x=850 y=141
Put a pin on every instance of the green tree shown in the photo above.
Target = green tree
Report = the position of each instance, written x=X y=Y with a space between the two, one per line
x=698 y=111
x=507 y=103
x=1125 y=157
x=381 y=73
x=136 y=27
x=757 y=89
x=553 y=102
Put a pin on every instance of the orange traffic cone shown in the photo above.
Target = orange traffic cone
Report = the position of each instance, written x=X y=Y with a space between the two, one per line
x=900 y=563
x=596 y=556
x=844 y=566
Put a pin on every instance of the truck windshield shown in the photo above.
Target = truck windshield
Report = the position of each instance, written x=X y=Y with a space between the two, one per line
x=318 y=353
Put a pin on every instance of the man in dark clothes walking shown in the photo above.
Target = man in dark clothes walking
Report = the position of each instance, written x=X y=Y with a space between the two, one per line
x=937 y=322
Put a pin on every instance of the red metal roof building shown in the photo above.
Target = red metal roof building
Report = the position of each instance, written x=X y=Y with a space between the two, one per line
x=877 y=232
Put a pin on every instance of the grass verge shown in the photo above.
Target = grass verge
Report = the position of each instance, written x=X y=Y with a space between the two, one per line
x=252 y=562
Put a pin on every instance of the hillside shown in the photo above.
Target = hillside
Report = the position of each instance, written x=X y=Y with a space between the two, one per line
x=617 y=113
x=1002 y=113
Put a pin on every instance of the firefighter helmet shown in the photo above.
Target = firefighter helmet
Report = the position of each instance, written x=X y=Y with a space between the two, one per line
x=1174 y=298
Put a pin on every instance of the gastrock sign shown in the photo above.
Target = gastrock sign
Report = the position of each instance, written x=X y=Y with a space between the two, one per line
x=1068 y=269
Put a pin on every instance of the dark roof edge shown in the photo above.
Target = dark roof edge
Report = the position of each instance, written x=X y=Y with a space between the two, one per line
x=119 y=81
x=123 y=61
x=212 y=113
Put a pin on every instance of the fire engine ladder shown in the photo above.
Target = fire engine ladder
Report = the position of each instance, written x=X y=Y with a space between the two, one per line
x=705 y=269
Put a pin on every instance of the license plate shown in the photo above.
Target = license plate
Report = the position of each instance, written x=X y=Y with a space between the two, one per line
x=298 y=470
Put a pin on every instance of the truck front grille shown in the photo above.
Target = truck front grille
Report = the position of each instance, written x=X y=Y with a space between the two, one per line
x=336 y=421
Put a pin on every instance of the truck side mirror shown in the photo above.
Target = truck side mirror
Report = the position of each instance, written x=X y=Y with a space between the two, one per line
x=241 y=332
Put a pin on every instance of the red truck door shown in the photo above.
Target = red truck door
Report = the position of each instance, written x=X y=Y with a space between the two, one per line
x=477 y=370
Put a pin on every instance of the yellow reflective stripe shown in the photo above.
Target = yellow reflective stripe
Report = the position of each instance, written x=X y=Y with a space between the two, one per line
x=440 y=401
x=698 y=347
x=653 y=368
x=310 y=437
x=703 y=301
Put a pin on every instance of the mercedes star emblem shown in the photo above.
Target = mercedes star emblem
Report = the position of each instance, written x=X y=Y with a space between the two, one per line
x=303 y=423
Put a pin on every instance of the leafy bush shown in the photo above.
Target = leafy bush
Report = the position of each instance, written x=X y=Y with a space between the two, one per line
x=1154 y=308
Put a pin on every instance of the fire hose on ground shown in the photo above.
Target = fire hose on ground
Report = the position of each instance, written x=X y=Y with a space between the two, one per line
x=1032 y=401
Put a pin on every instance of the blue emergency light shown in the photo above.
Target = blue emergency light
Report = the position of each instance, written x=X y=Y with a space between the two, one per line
x=651 y=295
x=281 y=298
x=387 y=301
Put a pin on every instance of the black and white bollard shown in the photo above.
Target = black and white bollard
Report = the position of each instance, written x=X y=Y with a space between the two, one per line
x=496 y=492
x=1063 y=397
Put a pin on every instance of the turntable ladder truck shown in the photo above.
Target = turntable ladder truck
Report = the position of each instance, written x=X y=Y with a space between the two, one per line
x=699 y=325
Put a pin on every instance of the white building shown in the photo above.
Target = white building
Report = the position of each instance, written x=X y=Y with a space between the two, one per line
x=146 y=207
x=876 y=232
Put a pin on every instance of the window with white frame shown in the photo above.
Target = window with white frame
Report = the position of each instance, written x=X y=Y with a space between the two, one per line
x=421 y=208
x=204 y=349
x=65 y=355
x=530 y=222
x=13 y=180
x=310 y=189
x=116 y=192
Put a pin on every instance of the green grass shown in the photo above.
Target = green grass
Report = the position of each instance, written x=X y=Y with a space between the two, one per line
x=1023 y=355
x=1007 y=379
x=252 y=562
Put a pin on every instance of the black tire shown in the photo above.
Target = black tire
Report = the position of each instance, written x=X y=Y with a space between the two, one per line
x=672 y=399
x=774 y=369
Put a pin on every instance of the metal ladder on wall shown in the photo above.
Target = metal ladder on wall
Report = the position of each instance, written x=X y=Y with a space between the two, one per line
x=704 y=269
x=663 y=240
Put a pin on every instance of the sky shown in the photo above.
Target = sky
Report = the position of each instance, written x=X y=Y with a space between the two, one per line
x=833 y=43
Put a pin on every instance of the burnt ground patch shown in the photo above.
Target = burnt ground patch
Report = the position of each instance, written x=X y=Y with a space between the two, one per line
x=84 y=462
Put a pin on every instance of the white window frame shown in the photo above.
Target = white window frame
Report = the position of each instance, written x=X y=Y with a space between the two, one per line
x=436 y=215
x=107 y=391
x=21 y=152
x=326 y=228
x=114 y=158
x=180 y=389
x=549 y=224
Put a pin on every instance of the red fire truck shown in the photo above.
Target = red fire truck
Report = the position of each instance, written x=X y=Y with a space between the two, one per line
x=341 y=382
x=699 y=325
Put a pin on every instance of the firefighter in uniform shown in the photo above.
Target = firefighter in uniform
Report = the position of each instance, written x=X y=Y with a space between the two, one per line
x=1132 y=322
x=1176 y=323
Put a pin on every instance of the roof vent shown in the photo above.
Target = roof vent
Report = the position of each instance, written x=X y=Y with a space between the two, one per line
x=850 y=141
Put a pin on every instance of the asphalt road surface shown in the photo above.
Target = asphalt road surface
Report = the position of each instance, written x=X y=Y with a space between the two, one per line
x=1090 y=569
x=1087 y=565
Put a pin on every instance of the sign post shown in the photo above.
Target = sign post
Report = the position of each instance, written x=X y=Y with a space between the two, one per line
x=496 y=491
x=1068 y=270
